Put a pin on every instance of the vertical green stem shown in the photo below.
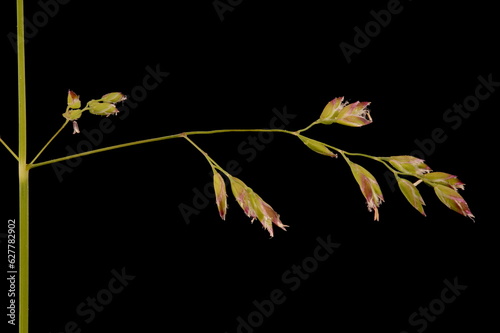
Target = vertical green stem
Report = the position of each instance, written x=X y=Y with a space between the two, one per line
x=23 y=179
x=23 y=251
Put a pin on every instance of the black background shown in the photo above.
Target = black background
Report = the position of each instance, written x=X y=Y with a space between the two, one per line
x=120 y=210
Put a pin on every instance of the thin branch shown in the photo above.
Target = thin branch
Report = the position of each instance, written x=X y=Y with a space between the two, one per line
x=308 y=127
x=214 y=165
x=10 y=150
x=210 y=161
x=46 y=145
x=173 y=136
